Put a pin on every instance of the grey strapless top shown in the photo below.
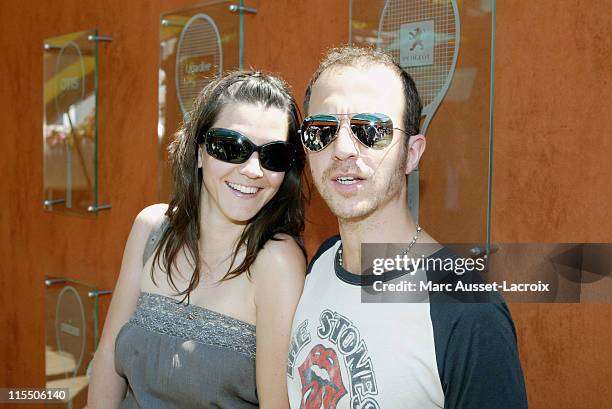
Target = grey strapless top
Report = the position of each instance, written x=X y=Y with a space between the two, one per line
x=183 y=356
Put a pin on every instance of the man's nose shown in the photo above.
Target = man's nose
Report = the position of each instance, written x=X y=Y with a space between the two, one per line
x=345 y=146
x=252 y=168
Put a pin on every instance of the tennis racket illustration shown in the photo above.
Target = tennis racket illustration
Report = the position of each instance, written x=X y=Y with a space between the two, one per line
x=423 y=37
x=199 y=59
x=70 y=90
x=70 y=329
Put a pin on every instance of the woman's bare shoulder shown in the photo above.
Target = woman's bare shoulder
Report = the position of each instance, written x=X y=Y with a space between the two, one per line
x=147 y=219
x=151 y=215
x=280 y=260
x=283 y=250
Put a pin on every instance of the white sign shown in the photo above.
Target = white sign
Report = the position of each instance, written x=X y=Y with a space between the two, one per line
x=70 y=329
x=416 y=43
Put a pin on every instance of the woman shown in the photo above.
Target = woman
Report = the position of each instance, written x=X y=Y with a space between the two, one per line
x=223 y=258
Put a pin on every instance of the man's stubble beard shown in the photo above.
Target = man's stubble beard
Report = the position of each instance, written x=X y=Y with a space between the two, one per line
x=380 y=191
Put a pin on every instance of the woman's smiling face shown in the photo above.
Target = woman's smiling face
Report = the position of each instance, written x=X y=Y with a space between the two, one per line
x=236 y=192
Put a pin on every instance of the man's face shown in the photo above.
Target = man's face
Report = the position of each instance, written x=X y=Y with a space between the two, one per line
x=355 y=180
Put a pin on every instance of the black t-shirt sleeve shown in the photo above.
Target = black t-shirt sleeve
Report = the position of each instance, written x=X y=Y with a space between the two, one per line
x=477 y=356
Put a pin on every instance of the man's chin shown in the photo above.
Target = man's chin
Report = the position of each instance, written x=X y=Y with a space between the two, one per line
x=351 y=214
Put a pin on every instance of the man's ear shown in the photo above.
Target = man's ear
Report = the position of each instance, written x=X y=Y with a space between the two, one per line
x=200 y=156
x=416 y=147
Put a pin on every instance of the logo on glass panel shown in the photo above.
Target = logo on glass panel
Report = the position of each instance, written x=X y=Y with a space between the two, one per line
x=416 y=43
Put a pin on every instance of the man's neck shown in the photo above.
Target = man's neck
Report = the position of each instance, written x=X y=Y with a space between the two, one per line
x=383 y=226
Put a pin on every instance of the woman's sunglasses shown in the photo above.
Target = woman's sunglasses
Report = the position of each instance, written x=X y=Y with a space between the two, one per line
x=371 y=130
x=233 y=147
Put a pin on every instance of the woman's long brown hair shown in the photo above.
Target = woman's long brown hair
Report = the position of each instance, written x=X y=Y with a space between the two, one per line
x=284 y=213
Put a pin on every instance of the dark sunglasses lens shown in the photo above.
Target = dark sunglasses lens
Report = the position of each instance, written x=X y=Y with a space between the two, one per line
x=318 y=131
x=227 y=146
x=373 y=130
x=276 y=156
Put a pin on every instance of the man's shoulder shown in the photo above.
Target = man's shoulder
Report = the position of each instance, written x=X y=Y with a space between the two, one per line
x=477 y=355
x=469 y=306
x=467 y=317
x=325 y=246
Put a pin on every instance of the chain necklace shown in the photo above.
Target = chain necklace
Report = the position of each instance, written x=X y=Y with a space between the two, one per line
x=406 y=251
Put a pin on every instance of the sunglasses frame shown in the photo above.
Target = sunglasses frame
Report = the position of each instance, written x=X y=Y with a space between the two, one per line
x=381 y=120
x=243 y=140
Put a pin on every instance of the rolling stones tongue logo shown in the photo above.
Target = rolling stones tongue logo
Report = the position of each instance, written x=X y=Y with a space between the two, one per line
x=322 y=385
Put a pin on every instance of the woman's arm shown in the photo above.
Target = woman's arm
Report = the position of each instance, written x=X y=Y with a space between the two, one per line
x=279 y=279
x=107 y=388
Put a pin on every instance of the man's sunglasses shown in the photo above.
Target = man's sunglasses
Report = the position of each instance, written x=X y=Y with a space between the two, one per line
x=233 y=147
x=371 y=130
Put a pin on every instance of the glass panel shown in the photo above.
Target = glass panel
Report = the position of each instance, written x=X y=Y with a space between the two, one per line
x=70 y=123
x=71 y=336
x=197 y=45
x=445 y=46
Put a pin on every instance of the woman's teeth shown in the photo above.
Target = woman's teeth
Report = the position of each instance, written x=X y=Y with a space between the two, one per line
x=243 y=189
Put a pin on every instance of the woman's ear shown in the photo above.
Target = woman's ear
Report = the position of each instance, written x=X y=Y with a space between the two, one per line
x=200 y=156
x=416 y=147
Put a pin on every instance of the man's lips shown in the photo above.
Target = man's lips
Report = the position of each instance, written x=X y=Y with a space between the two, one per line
x=347 y=182
x=347 y=178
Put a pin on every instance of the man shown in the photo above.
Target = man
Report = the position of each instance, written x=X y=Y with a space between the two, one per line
x=362 y=138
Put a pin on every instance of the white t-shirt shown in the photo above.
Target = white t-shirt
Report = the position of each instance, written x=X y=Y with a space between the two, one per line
x=349 y=354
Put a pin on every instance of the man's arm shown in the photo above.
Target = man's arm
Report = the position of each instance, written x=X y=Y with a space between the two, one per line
x=477 y=355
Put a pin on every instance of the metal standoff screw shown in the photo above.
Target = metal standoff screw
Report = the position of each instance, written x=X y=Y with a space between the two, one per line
x=98 y=293
x=51 y=202
x=167 y=23
x=92 y=37
x=51 y=281
x=48 y=46
x=236 y=8
x=481 y=251
x=95 y=209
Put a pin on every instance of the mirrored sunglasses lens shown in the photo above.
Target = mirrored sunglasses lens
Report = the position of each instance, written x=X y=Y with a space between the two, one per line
x=227 y=147
x=372 y=131
x=319 y=131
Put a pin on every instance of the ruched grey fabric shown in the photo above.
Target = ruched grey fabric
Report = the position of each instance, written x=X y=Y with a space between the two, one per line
x=183 y=356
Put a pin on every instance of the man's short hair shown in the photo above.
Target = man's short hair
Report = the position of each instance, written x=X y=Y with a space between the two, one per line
x=365 y=57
